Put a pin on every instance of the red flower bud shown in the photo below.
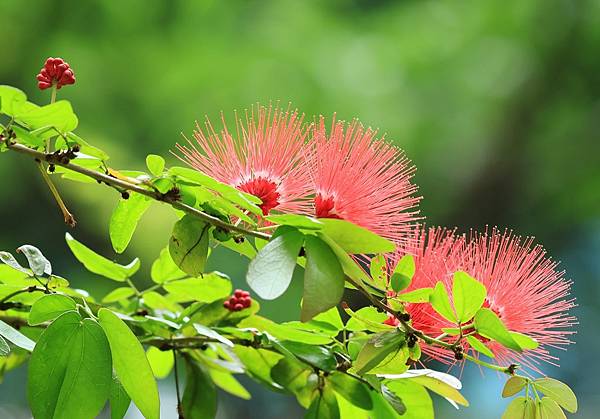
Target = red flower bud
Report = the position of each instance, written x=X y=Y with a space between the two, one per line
x=238 y=301
x=55 y=71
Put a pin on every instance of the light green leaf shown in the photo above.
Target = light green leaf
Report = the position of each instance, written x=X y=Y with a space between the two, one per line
x=156 y=164
x=301 y=222
x=124 y=219
x=295 y=377
x=355 y=239
x=26 y=137
x=208 y=332
x=351 y=389
x=468 y=295
x=86 y=148
x=549 y=409
x=367 y=318
x=118 y=294
x=200 y=395
x=227 y=382
x=270 y=272
x=414 y=396
x=520 y=408
x=161 y=362
x=58 y=115
x=208 y=288
x=4 y=348
x=16 y=337
x=70 y=370
x=489 y=325
x=99 y=264
x=37 y=262
x=188 y=245
x=378 y=271
x=440 y=387
x=323 y=279
x=420 y=295
x=557 y=391
x=330 y=317
x=513 y=385
x=393 y=399
x=131 y=365
x=441 y=302
x=10 y=260
x=377 y=349
x=157 y=301
x=403 y=273
x=324 y=406
x=164 y=269
x=479 y=346
x=50 y=307
x=524 y=341
x=10 y=99
x=349 y=265
x=119 y=400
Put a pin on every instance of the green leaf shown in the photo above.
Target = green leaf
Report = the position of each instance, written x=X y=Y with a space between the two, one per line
x=119 y=400
x=161 y=362
x=10 y=260
x=188 y=245
x=393 y=399
x=156 y=164
x=513 y=385
x=378 y=271
x=479 y=346
x=367 y=318
x=285 y=331
x=58 y=115
x=227 y=382
x=37 y=262
x=377 y=349
x=331 y=317
x=420 y=295
x=157 y=301
x=208 y=288
x=355 y=239
x=441 y=302
x=296 y=378
x=200 y=396
x=131 y=365
x=270 y=272
x=118 y=294
x=351 y=389
x=317 y=356
x=4 y=348
x=415 y=397
x=26 y=137
x=489 y=325
x=323 y=279
x=440 y=387
x=210 y=333
x=70 y=370
x=124 y=219
x=324 y=406
x=16 y=337
x=100 y=265
x=557 y=391
x=301 y=222
x=468 y=295
x=520 y=408
x=524 y=341
x=86 y=148
x=349 y=265
x=549 y=409
x=164 y=269
x=50 y=307
x=258 y=363
x=403 y=273
x=10 y=99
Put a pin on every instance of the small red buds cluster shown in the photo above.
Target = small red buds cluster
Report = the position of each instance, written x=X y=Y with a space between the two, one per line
x=55 y=70
x=391 y=321
x=238 y=301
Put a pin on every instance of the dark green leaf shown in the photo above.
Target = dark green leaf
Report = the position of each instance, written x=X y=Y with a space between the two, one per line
x=70 y=370
x=119 y=400
x=323 y=279
x=403 y=273
x=393 y=399
x=489 y=325
x=270 y=272
x=188 y=245
x=164 y=269
x=317 y=356
x=50 y=307
x=377 y=349
x=16 y=337
x=37 y=262
x=156 y=164
x=557 y=391
x=200 y=396
x=351 y=389
x=468 y=295
x=124 y=219
x=441 y=302
x=355 y=239
x=324 y=406
x=513 y=385
x=131 y=365
x=99 y=264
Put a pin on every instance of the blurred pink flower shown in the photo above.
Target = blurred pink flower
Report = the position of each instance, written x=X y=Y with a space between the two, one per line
x=264 y=157
x=364 y=180
x=524 y=288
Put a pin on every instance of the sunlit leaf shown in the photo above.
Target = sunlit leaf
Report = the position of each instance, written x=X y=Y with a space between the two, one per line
x=161 y=362
x=351 y=389
x=355 y=239
x=118 y=294
x=37 y=262
x=468 y=295
x=520 y=408
x=549 y=409
x=377 y=349
x=403 y=273
x=50 y=307
x=513 y=385
x=441 y=302
x=188 y=245
x=479 y=346
x=124 y=219
x=155 y=164
x=557 y=391
x=164 y=269
x=207 y=288
x=489 y=325
x=17 y=338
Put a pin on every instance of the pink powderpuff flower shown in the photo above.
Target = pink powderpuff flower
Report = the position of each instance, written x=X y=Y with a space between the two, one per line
x=364 y=180
x=263 y=158
x=55 y=71
x=524 y=288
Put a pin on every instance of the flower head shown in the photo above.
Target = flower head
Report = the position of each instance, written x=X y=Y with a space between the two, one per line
x=263 y=158
x=238 y=301
x=55 y=71
x=524 y=288
x=361 y=179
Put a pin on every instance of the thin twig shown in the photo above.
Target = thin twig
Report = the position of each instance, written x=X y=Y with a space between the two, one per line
x=179 y=405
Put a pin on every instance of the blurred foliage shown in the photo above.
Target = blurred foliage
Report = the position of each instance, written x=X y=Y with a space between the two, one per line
x=497 y=103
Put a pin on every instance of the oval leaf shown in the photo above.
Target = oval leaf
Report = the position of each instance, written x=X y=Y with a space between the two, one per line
x=557 y=391
x=200 y=395
x=188 y=245
x=352 y=390
x=440 y=302
x=355 y=239
x=50 y=307
x=489 y=325
x=468 y=295
x=124 y=219
x=513 y=386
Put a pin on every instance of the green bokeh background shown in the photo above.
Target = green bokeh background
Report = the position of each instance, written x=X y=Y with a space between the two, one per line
x=497 y=103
